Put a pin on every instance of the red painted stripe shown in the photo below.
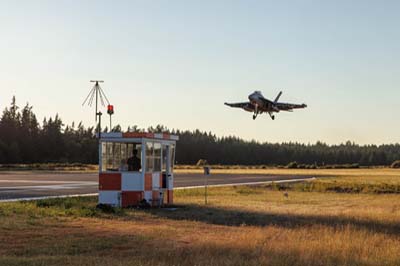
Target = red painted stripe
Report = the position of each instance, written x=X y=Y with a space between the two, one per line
x=138 y=135
x=155 y=197
x=161 y=181
x=148 y=181
x=166 y=136
x=131 y=198
x=109 y=181
x=134 y=135
x=170 y=196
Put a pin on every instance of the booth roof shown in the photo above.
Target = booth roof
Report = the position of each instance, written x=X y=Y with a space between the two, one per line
x=165 y=136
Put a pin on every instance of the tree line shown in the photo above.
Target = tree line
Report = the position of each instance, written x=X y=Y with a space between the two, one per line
x=24 y=140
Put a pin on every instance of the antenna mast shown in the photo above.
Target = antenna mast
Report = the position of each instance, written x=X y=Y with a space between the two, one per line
x=96 y=92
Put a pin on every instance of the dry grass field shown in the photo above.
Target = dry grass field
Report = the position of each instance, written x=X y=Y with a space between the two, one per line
x=364 y=172
x=62 y=167
x=239 y=226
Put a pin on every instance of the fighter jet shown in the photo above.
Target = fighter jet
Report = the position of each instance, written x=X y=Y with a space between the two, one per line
x=258 y=104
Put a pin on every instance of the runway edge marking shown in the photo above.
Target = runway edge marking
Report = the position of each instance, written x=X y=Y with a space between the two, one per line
x=250 y=183
x=177 y=188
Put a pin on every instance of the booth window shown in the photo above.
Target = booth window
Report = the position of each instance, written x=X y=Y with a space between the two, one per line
x=165 y=156
x=172 y=157
x=115 y=155
x=153 y=157
x=157 y=157
x=149 y=157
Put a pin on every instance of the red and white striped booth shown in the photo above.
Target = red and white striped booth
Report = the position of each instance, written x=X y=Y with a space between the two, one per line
x=150 y=178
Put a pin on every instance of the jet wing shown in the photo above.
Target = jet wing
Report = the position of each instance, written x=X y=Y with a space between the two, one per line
x=238 y=105
x=247 y=106
x=290 y=106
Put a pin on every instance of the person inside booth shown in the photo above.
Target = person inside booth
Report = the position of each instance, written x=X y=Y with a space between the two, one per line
x=134 y=162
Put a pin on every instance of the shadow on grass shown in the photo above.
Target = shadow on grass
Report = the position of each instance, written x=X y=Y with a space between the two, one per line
x=86 y=249
x=231 y=217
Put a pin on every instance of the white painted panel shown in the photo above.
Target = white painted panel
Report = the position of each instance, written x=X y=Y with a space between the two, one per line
x=156 y=181
x=111 y=135
x=148 y=195
x=158 y=135
x=170 y=181
x=174 y=137
x=132 y=181
x=110 y=197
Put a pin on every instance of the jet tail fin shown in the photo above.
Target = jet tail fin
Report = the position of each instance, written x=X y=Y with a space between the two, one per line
x=277 y=97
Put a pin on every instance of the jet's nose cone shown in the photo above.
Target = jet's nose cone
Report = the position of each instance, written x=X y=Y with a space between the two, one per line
x=252 y=96
x=255 y=96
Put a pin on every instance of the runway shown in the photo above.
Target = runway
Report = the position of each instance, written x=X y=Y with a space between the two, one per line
x=28 y=185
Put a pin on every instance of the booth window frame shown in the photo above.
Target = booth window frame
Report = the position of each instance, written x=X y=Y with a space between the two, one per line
x=156 y=156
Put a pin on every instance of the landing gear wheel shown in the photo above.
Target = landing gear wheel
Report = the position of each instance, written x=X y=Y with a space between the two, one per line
x=254 y=117
x=273 y=117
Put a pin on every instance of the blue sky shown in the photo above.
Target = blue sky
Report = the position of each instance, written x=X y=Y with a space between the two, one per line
x=177 y=62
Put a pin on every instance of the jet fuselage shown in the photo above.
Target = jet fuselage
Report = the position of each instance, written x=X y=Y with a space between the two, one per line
x=259 y=104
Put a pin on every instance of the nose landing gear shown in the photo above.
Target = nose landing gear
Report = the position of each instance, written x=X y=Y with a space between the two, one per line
x=255 y=112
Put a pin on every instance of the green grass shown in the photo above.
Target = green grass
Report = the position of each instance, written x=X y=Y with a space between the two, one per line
x=340 y=187
x=58 y=207
x=375 y=181
x=49 y=167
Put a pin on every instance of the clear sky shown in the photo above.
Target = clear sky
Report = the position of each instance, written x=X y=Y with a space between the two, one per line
x=177 y=62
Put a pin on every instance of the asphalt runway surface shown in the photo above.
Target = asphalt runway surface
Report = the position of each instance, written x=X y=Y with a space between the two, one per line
x=20 y=185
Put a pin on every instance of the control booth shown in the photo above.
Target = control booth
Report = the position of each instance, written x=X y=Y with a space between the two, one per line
x=136 y=168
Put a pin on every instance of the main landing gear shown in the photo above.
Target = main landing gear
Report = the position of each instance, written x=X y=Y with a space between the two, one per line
x=272 y=116
x=256 y=114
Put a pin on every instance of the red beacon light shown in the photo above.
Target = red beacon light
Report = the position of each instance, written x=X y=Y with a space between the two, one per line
x=110 y=109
